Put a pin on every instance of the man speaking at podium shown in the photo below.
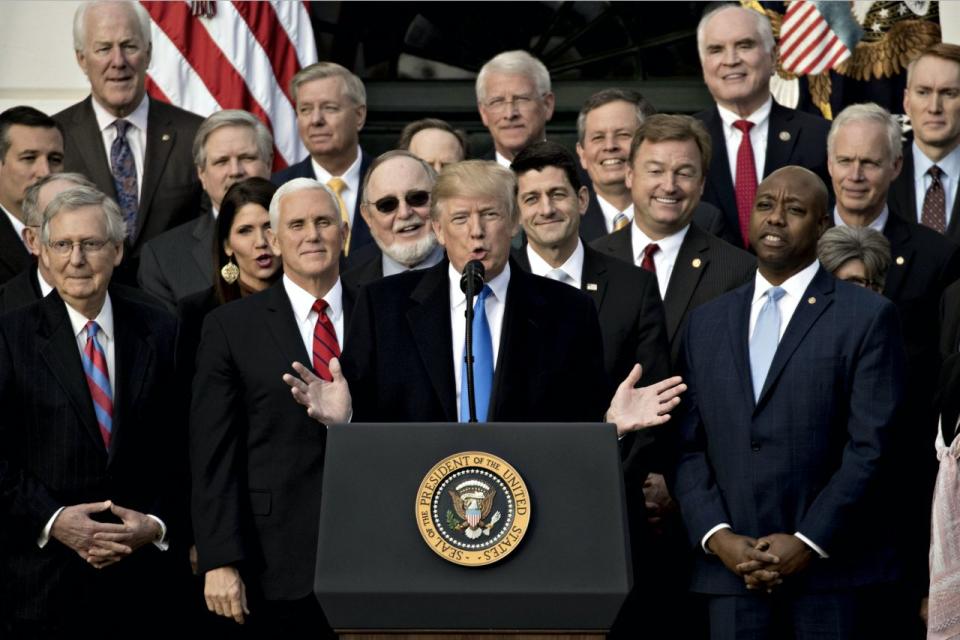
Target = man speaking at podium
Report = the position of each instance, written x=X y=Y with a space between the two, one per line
x=537 y=347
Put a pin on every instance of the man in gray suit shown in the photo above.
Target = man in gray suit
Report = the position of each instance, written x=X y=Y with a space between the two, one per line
x=230 y=146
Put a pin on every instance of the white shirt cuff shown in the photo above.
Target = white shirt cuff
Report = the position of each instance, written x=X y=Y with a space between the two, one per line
x=810 y=543
x=703 y=543
x=45 y=534
x=162 y=543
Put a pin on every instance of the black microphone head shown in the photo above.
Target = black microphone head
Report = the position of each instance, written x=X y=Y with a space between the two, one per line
x=473 y=273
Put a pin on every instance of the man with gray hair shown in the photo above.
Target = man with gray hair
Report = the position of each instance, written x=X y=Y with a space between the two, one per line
x=865 y=157
x=230 y=146
x=752 y=135
x=515 y=103
x=85 y=375
x=253 y=451
x=134 y=148
x=331 y=104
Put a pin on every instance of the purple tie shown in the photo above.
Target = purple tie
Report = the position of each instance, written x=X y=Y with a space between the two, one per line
x=125 y=177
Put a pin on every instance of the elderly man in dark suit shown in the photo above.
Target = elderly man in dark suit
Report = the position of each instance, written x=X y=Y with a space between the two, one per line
x=230 y=146
x=257 y=460
x=331 y=107
x=738 y=55
x=89 y=436
x=795 y=382
x=134 y=148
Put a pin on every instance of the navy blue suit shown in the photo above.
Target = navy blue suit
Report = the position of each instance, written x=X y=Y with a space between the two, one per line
x=808 y=455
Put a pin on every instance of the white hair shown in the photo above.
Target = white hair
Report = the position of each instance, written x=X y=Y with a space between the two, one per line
x=79 y=197
x=293 y=186
x=764 y=30
x=516 y=63
x=868 y=112
x=80 y=26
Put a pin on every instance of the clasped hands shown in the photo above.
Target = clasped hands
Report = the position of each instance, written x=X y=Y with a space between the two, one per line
x=763 y=563
x=103 y=543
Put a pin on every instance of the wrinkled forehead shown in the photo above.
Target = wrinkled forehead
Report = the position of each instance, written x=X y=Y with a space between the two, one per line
x=397 y=176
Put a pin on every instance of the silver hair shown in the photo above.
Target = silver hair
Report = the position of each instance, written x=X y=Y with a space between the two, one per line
x=764 y=29
x=517 y=63
x=352 y=85
x=232 y=118
x=868 y=112
x=604 y=97
x=293 y=186
x=77 y=197
x=32 y=216
x=838 y=245
x=80 y=27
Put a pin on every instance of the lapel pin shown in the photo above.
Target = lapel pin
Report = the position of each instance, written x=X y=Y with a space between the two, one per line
x=785 y=136
x=165 y=137
x=811 y=300
x=696 y=263
x=900 y=260
x=591 y=286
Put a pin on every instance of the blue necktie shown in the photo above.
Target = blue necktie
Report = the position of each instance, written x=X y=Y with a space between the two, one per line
x=482 y=363
x=125 y=177
x=766 y=336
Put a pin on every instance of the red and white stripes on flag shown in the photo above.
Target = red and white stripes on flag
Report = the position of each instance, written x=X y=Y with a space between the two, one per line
x=240 y=57
x=809 y=43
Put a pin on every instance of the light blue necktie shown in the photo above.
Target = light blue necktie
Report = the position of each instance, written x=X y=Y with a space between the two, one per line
x=482 y=363
x=766 y=336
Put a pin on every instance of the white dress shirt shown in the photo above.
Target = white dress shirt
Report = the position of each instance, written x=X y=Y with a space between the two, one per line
x=610 y=212
x=302 y=302
x=950 y=172
x=494 y=306
x=136 y=135
x=351 y=178
x=18 y=226
x=502 y=160
x=758 y=137
x=664 y=259
x=391 y=267
x=45 y=287
x=877 y=225
x=794 y=287
x=572 y=268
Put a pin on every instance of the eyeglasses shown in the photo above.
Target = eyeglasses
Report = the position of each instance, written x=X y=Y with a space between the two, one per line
x=87 y=247
x=500 y=104
x=862 y=282
x=389 y=204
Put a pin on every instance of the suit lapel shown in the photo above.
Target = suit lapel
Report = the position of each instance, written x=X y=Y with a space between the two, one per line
x=902 y=251
x=720 y=168
x=283 y=326
x=738 y=319
x=692 y=262
x=519 y=321
x=429 y=320
x=202 y=250
x=90 y=147
x=901 y=198
x=620 y=245
x=593 y=279
x=161 y=137
x=782 y=136
x=133 y=359
x=592 y=224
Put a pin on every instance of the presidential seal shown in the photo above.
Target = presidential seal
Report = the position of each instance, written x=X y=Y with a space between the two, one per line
x=473 y=508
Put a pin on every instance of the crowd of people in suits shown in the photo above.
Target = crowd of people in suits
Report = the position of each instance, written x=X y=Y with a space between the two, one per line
x=765 y=303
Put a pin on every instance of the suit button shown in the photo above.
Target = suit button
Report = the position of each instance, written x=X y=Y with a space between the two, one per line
x=754 y=445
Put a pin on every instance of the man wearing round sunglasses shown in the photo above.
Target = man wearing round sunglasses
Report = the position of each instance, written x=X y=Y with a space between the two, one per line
x=396 y=208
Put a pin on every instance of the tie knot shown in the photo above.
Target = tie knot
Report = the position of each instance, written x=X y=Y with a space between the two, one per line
x=743 y=125
x=319 y=306
x=337 y=184
x=620 y=221
x=650 y=249
x=557 y=274
x=935 y=172
x=122 y=126
x=775 y=293
x=92 y=329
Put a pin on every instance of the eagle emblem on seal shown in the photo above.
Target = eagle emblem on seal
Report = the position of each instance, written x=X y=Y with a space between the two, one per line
x=472 y=501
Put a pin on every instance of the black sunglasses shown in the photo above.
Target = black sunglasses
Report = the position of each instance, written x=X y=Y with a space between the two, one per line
x=389 y=204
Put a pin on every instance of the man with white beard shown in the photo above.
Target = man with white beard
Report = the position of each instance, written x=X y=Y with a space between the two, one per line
x=396 y=207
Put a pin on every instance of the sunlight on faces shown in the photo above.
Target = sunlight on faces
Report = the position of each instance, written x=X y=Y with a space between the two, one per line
x=35 y=152
x=514 y=112
x=475 y=228
x=114 y=57
x=550 y=209
x=666 y=182
x=308 y=238
x=605 y=150
x=232 y=156
x=861 y=169
x=933 y=102
x=249 y=245
x=436 y=147
x=405 y=233
x=787 y=221
x=736 y=69
x=327 y=119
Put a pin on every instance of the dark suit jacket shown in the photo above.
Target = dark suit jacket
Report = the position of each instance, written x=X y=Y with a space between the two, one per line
x=53 y=446
x=366 y=266
x=903 y=199
x=805 y=145
x=809 y=455
x=170 y=193
x=179 y=262
x=706 y=216
x=950 y=320
x=14 y=256
x=257 y=458
x=360 y=232
x=949 y=397
x=706 y=267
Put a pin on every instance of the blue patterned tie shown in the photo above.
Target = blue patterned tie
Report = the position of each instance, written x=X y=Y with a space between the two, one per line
x=766 y=336
x=482 y=363
x=125 y=177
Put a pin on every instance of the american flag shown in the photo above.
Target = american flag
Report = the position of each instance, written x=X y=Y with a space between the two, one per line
x=817 y=36
x=209 y=56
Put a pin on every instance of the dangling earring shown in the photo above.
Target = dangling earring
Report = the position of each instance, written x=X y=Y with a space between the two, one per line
x=230 y=271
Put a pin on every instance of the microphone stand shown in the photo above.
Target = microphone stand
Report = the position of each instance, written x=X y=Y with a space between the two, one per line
x=472 y=276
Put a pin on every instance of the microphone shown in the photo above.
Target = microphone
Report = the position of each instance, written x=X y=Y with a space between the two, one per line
x=471 y=283
x=472 y=279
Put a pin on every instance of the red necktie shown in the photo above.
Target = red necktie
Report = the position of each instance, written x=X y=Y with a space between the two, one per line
x=934 y=212
x=98 y=381
x=746 y=185
x=647 y=262
x=325 y=344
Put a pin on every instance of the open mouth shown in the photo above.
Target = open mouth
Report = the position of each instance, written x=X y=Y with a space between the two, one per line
x=408 y=229
x=772 y=240
x=612 y=162
x=667 y=201
x=264 y=261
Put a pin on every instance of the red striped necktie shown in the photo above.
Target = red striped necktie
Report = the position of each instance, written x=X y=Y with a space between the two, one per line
x=325 y=345
x=98 y=380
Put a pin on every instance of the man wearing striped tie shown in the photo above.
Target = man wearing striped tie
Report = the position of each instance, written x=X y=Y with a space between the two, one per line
x=90 y=436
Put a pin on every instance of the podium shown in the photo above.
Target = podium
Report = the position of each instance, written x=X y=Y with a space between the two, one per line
x=376 y=574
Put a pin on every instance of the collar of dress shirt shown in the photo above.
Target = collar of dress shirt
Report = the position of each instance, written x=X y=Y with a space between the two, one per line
x=669 y=246
x=610 y=212
x=878 y=224
x=302 y=300
x=138 y=117
x=950 y=164
x=758 y=118
x=351 y=176
x=18 y=226
x=391 y=267
x=794 y=286
x=105 y=319
x=573 y=267
x=502 y=160
x=498 y=286
x=45 y=287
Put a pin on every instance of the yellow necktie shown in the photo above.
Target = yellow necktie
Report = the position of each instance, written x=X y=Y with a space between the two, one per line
x=620 y=221
x=338 y=185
